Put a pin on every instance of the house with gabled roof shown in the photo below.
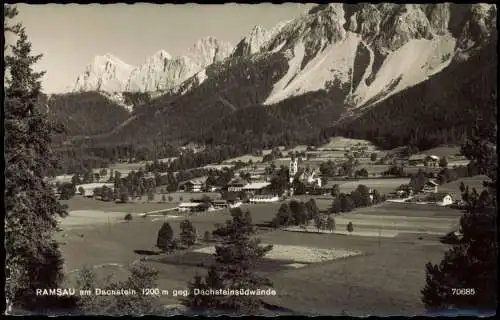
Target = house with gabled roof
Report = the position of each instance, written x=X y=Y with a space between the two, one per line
x=430 y=186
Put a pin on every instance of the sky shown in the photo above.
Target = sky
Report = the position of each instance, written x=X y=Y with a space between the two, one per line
x=70 y=36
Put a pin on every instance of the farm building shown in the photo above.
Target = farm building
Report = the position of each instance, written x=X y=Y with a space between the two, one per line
x=430 y=186
x=256 y=187
x=220 y=204
x=328 y=187
x=404 y=191
x=309 y=176
x=218 y=166
x=263 y=198
x=192 y=207
x=423 y=160
x=191 y=186
x=67 y=178
x=440 y=198
x=236 y=185
x=88 y=188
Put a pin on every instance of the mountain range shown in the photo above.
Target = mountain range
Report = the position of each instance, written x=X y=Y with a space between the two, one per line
x=330 y=68
x=160 y=72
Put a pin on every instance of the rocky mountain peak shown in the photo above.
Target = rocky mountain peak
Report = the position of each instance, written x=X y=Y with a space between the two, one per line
x=162 y=54
x=159 y=72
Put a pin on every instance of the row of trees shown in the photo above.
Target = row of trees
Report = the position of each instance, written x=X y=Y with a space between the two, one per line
x=362 y=196
x=166 y=240
x=346 y=168
x=189 y=159
x=296 y=213
x=299 y=213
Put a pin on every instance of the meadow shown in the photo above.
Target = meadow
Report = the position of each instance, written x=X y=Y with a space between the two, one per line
x=386 y=278
x=471 y=182
x=383 y=185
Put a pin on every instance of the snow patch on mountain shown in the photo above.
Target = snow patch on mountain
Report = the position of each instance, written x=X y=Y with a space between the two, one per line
x=279 y=90
x=411 y=64
x=332 y=63
x=201 y=76
x=118 y=98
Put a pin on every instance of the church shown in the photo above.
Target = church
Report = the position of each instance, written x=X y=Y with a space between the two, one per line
x=307 y=176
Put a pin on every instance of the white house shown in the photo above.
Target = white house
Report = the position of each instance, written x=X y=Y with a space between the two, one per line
x=421 y=160
x=263 y=198
x=255 y=186
x=441 y=198
x=192 y=186
x=190 y=207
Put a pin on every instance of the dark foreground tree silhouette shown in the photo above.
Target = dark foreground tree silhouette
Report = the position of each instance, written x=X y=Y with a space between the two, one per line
x=165 y=236
x=33 y=258
x=141 y=276
x=188 y=233
x=235 y=257
x=467 y=276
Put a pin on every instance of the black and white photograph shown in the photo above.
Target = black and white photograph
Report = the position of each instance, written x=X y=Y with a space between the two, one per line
x=238 y=159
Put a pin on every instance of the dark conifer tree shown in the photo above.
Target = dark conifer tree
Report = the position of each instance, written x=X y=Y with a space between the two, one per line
x=466 y=278
x=33 y=258
x=235 y=257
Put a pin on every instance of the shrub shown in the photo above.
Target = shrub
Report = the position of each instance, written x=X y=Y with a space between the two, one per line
x=330 y=223
x=350 y=227
x=207 y=237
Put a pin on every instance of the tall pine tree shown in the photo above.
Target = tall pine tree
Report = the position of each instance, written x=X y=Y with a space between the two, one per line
x=467 y=276
x=33 y=259
x=235 y=258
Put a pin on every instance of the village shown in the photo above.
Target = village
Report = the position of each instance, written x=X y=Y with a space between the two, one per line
x=308 y=173
x=345 y=205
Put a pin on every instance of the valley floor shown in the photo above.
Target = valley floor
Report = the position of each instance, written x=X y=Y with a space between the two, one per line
x=385 y=278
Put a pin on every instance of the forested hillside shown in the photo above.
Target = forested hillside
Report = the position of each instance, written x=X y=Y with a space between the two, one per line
x=293 y=121
x=86 y=113
x=230 y=86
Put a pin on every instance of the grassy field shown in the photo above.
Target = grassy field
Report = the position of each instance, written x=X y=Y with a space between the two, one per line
x=471 y=182
x=414 y=170
x=387 y=278
x=408 y=210
x=443 y=151
x=383 y=185
x=134 y=205
x=82 y=203
x=341 y=142
x=246 y=158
